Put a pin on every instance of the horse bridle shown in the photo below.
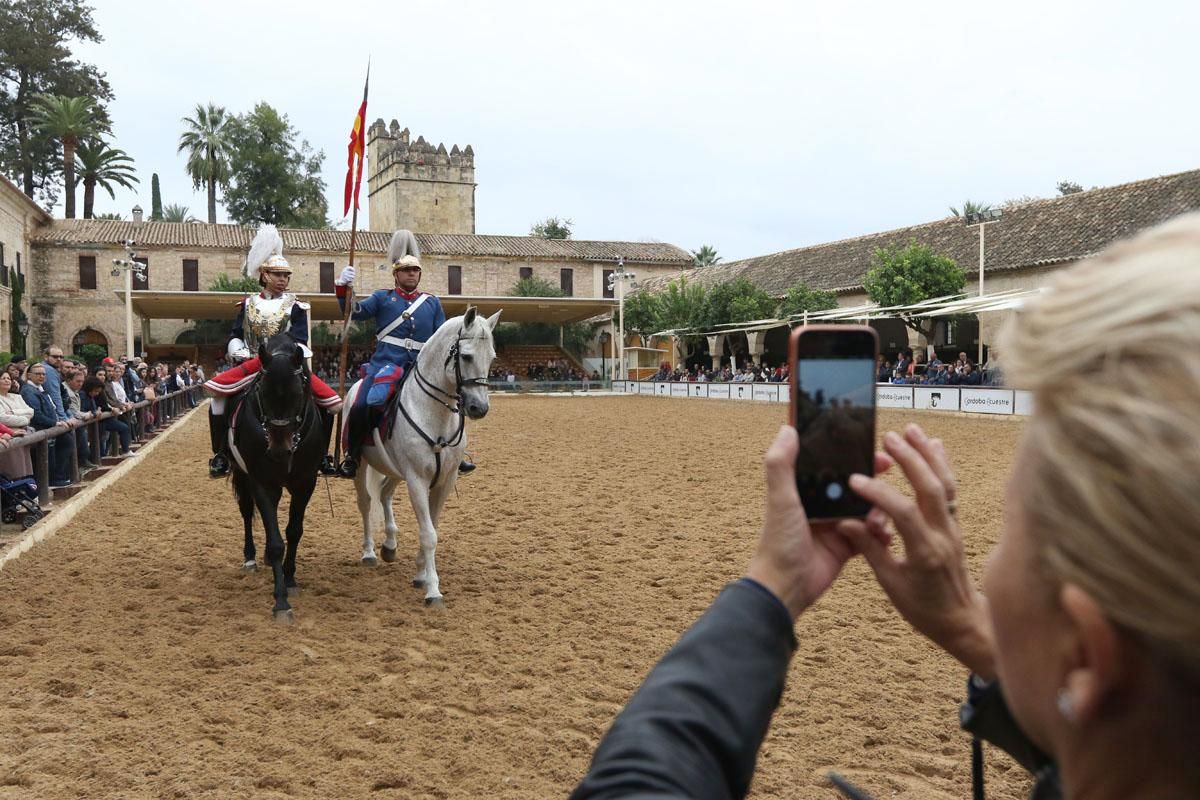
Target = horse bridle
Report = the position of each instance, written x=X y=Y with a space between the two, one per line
x=424 y=384
x=297 y=420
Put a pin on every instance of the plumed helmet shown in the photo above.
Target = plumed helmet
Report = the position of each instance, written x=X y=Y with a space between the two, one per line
x=403 y=250
x=266 y=253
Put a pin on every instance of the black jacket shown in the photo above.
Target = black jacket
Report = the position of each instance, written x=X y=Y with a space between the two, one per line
x=694 y=728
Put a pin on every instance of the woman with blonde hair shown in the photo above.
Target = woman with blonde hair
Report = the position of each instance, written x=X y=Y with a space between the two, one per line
x=1085 y=644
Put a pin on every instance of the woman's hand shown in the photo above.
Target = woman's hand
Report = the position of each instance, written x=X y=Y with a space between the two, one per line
x=930 y=586
x=795 y=561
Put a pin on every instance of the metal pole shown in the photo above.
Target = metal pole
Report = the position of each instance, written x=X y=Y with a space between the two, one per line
x=623 y=370
x=978 y=321
x=129 y=312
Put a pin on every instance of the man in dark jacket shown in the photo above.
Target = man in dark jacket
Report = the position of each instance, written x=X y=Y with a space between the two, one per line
x=45 y=416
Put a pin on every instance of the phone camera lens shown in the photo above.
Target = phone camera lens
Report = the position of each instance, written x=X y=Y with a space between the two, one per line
x=834 y=491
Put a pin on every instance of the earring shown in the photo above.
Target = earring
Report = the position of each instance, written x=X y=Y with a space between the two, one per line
x=1066 y=704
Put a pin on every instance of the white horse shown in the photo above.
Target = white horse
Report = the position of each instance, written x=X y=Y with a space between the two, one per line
x=448 y=383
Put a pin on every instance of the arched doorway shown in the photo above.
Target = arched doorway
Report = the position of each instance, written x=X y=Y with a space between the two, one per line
x=90 y=345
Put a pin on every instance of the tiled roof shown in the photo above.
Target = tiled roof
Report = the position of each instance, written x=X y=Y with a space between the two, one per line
x=237 y=237
x=1038 y=233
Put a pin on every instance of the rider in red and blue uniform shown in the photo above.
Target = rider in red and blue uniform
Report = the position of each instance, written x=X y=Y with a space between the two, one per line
x=404 y=318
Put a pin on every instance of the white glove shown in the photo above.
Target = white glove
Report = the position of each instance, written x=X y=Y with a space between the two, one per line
x=346 y=278
x=237 y=350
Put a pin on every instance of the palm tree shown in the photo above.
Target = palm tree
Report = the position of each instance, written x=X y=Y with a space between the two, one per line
x=68 y=119
x=177 y=213
x=706 y=256
x=207 y=141
x=970 y=207
x=103 y=166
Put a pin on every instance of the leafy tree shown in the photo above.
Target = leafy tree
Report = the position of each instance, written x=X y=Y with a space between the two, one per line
x=552 y=228
x=103 y=166
x=228 y=283
x=207 y=142
x=737 y=300
x=177 y=213
x=535 y=287
x=92 y=354
x=681 y=304
x=642 y=315
x=156 y=212
x=109 y=215
x=35 y=58
x=68 y=119
x=970 y=207
x=706 y=256
x=903 y=276
x=273 y=177
x=1068 y=187
x=801 y=298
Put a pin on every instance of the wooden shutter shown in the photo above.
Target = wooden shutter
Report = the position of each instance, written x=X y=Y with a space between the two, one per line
x=191 y=275
x=142 y=284
x=326 y=277
x=566 y=281
x=455 y=279
x=87 y=272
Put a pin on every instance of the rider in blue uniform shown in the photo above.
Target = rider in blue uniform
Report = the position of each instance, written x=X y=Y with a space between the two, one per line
x=405 y=318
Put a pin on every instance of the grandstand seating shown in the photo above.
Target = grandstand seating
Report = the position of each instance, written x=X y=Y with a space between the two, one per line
x=519 y=357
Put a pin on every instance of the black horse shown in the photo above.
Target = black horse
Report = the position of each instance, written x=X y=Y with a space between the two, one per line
x=277 y=442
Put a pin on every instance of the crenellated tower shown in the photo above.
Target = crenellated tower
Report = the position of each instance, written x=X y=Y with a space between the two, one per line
x=418 y=186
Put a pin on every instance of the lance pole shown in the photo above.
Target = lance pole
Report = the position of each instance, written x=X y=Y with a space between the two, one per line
x=345 y=350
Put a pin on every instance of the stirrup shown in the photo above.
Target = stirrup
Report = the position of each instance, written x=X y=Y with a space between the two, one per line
x=349 y=468
x=328 y=466
x=218 y=466
x=465 y=466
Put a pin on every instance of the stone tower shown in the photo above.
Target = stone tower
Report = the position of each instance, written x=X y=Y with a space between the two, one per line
x=417 y=186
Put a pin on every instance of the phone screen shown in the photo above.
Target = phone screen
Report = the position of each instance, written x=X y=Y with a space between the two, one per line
x=835 y=418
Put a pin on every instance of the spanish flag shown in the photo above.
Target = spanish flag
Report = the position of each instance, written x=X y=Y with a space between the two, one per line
x=357 y=149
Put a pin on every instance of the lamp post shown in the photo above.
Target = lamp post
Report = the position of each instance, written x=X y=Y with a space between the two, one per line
x=23 y=329
x=605 y=338
x=130 y=267
x=617 y=282
x=982 y=219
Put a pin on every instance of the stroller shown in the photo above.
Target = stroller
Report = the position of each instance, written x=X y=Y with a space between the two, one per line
x=20 y=498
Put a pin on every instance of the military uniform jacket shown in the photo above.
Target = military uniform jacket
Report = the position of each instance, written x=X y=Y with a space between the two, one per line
x=259 y=318
x=402 y=343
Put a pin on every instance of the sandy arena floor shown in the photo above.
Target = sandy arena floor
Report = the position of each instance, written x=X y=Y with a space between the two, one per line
x=136 y=660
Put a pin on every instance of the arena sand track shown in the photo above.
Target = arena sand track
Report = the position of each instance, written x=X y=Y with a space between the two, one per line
x=136 y=660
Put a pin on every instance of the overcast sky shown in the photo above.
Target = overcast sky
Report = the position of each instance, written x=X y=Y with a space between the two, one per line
x=753 y=127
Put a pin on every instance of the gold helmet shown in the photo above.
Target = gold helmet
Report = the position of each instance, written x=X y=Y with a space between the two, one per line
x=403 y=250
x=266 y=253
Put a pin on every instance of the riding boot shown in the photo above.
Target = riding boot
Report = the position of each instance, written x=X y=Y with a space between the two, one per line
x=218 y=431
x=355 y=420
x=466 y=466
x=328 y=465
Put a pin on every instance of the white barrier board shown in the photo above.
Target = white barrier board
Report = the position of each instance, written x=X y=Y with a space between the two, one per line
x=894 y=396
x=741 y=391
x=697 y=390
x=1022 y=402
x=766 y=392
x=941 y=398
x=679 y=390
x=986 y=401
x=719 y=390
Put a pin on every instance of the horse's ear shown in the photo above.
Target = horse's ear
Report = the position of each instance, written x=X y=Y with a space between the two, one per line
x=469 y=317
x=493 y=319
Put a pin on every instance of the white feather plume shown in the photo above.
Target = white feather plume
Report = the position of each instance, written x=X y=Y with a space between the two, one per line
x=403 y=243
x=267 y=242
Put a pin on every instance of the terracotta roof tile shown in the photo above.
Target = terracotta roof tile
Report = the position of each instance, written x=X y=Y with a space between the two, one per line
x=237 y=237
x=1039 y=233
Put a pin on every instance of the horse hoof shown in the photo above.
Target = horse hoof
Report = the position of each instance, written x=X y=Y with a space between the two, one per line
x=436 y=603
x=369 y=561
x=388 y=553
x=249 y=566
x=284 y=616
x=418 y=583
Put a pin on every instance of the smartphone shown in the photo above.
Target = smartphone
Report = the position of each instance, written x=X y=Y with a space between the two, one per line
x=833 y=410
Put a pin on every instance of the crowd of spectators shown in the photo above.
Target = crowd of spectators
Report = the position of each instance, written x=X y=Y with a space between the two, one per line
x=748 y=373
x=911 y=369
x=61 y=392
x=554 y=370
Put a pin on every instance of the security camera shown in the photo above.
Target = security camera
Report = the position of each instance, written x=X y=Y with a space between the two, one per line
x=116 y=273
x=129 y=243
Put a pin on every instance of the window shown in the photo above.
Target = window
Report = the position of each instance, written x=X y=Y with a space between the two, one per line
x=605 y=277
x=87 y=272
x=326 y=277
x=4 y=267
x=455 y=276
x=191 y=275
x=526 y=272
x=566 y=281
x=142 y=283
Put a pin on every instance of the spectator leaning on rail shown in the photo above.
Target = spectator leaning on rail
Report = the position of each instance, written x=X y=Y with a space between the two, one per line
x=1089 y=622
x=45 y=416
x=64 y=445
x=16 y=415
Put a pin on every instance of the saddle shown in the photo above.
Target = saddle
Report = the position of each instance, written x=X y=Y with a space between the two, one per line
x=381 y=415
